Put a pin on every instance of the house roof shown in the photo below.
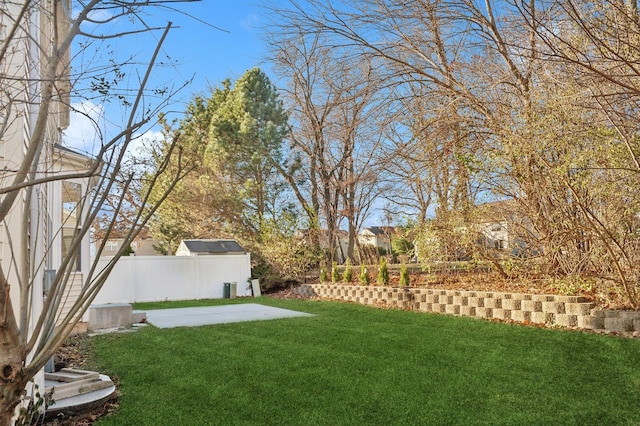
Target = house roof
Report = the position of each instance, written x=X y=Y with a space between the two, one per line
x=496 y=210
x=213 y=246
x=120 y=230
x=72 y=158
x=78 y=162
x=322 y=231
x=68 y=150
x=380 y=230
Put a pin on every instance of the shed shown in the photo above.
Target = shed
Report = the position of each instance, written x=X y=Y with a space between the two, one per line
x=209 y=247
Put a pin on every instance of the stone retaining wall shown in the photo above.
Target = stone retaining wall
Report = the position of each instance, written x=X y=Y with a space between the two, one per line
x=567 y=311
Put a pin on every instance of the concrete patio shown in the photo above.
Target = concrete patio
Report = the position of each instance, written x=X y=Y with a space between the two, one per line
x=209 y=315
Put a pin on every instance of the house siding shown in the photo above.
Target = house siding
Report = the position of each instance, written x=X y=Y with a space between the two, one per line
x=71 y=294
x=19 y=105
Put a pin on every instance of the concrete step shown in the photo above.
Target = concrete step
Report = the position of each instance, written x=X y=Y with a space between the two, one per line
x=70 y=382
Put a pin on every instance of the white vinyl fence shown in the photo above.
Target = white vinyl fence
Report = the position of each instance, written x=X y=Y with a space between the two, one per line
x=161 y=278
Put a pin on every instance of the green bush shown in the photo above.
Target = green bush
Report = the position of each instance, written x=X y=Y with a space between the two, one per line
x=335 y=277
x=347 y=275
x=404 y=276
x=323 y=275
x=364 y=275
x=280 y=256
x=402 y=245
x=383 y=272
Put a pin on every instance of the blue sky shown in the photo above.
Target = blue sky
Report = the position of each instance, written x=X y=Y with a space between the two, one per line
x=207 y=54
x=209 y=41
x=213 y=55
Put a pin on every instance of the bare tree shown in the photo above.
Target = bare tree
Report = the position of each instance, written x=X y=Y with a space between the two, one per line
x=596 y=49
x=516 y=101
x=599 y=45
x=37 y=234
x=357 y=129
x=421 y=52
x=336 y=115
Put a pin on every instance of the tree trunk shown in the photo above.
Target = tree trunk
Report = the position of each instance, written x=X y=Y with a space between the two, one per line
x=12 y=376
x=11 y=393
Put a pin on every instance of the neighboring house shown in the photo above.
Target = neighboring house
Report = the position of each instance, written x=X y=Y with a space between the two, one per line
x=342 y=240
x=496 y=234
x=501 y=227
x=496 y=227
x=377 y=236
x=143 y=245
x=140 y=247
x=493 y=224
x=209 y=247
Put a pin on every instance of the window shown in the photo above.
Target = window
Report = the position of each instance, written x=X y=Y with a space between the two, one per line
x=71 y=195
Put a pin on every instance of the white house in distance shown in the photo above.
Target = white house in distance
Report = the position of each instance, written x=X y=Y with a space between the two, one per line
x=377 y=236
x=496 y=223
x=142 y=245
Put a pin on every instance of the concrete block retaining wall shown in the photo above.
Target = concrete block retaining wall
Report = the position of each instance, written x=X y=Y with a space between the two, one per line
x=567 y=311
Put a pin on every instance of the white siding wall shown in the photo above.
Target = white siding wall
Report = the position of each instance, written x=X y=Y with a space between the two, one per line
x=183 y=250
x=497 y=234
x=160 y=278
x=71 y=294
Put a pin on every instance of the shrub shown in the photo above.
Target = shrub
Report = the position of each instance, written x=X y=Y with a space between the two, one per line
x=369 y=254
x=334 y=273
x=281 y=256
x=383 y=272
x=347 y=275
x=404 y=276
x=364 y=275
x=323 y=275
x=402 y=245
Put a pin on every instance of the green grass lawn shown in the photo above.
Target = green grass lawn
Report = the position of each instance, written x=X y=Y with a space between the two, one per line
x=356 y=365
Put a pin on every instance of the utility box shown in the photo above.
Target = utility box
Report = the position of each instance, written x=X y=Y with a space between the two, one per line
x=226 y=291
x=255 y=288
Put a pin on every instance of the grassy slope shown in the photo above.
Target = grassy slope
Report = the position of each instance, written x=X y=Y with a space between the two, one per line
x=353 y=364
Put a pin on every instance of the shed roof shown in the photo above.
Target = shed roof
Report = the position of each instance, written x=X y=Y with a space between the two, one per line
x=213 y=246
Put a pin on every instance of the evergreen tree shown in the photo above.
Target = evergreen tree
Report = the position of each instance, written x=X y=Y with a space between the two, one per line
x=347 y=275
x=383 y=272
x=234 y=140
x=335 y=277
x=404 y=276
x=364 y=275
